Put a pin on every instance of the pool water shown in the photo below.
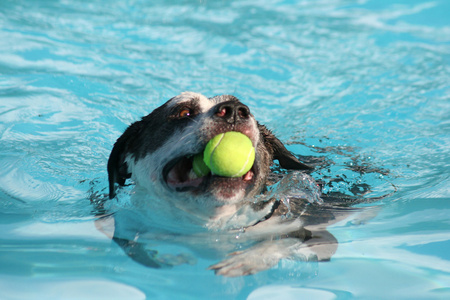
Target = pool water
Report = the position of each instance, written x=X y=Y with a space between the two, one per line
x=360 y=84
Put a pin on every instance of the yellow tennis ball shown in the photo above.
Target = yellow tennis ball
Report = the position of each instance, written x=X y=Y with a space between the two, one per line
x=199 y=166
x=229 y=154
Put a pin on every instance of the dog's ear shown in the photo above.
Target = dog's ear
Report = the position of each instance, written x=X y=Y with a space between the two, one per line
x=117 y=167
x=131 y=141
x=286 y=159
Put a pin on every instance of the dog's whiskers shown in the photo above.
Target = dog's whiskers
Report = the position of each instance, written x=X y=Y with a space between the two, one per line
x=193 y=120
x=186 y=136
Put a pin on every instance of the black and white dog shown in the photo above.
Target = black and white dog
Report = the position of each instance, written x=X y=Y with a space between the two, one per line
x=157 y=151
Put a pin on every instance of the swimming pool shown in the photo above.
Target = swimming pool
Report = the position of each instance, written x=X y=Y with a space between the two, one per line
x=355 y=82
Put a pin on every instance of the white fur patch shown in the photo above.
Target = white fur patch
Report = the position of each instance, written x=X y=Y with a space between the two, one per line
x=204 y=103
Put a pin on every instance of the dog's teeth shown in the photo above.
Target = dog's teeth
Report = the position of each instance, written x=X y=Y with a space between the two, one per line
x=192 y=175
x=248 y=176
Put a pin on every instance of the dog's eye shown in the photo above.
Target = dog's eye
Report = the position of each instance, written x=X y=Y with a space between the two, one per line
x=184 y=113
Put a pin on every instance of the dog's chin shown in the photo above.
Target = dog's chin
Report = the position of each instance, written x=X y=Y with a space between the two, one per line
x=181 y=178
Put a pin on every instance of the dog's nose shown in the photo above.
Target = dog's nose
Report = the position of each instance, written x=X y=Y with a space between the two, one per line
x=232 y=111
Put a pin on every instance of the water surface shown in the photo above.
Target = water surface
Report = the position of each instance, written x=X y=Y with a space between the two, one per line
x=359 y=83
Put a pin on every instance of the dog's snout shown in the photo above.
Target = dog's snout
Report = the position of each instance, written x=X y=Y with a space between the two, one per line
x=232 y=111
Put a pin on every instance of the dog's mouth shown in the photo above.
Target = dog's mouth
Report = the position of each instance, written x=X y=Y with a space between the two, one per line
x=180 y=176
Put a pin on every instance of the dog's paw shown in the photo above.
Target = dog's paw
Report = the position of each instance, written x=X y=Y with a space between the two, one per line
x=260 y=257
x=244 y=263
x=266 y=255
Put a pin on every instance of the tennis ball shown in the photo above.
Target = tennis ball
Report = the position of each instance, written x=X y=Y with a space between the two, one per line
x=229 y=154
x=198 y=165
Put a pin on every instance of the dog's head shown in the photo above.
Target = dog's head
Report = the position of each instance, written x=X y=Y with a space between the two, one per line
x=157 y=151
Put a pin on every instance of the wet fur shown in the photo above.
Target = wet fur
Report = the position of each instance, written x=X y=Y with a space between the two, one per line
x=149 y=147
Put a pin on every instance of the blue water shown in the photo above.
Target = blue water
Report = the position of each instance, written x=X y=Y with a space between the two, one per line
x=355 y=82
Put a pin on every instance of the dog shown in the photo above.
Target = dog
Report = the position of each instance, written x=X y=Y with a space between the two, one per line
x=156 y=153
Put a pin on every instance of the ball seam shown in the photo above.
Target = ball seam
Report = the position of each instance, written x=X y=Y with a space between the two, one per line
x=212 y=152
x=244 y=165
